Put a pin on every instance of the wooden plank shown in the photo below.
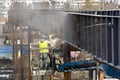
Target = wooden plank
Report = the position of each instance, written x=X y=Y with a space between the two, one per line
x=52 y=77
x=42 y=77
x=100 y=75
x=67 y=75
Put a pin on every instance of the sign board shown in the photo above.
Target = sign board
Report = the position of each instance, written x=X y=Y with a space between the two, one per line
x=74 y=54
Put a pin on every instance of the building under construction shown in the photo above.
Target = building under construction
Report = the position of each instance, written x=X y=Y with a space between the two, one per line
x=89 y=50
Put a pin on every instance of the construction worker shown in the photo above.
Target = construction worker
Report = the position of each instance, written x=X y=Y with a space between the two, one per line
x=55 y=44
x=44 y=47
x=56 y=48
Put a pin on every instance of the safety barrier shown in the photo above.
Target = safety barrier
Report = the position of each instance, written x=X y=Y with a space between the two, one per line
x=98 y=34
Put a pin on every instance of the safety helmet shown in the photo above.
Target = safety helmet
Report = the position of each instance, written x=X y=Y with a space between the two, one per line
x=44 y=37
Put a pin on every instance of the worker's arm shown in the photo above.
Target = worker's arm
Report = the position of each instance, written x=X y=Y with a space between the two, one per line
x=49 y=46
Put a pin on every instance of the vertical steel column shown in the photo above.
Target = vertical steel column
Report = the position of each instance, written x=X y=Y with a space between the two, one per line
x=95 y=29
x=78 y=32
x=82 y=32
x=85 y=31
x=112 y=42
x=106 y=38
x=67 y=36
x=100 y=27
x=13 y=43
x=67 y=75
x=67 y=30
x=29 y=41
x=22 y=55
x=93 y=74
x=93 y=43
x=13 y=48
x=89 y=35
x=16 y=51
x=119 y=40
x=90 y=74
x=109 y=42
x=90 y=42
x=80 y=44
x=116 y=54
x=91 y=77
x=98 y=37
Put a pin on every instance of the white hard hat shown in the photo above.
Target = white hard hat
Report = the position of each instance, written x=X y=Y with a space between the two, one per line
x=52 y=35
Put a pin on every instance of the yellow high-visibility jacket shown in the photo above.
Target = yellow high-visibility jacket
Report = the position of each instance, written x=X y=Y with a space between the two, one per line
x=43 y=47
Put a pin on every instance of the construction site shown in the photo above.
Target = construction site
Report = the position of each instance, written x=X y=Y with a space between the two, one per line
x=52 y=42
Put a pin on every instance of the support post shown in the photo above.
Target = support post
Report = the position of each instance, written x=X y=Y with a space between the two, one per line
x=29 y=41
x=16 y=51
x=13 y=42
x=42 y=77
x=100 y=75
x=67 y=75
x=66 y=48
x=52 y=77
x=90 y=74
x=22 y=55
x=93 y=74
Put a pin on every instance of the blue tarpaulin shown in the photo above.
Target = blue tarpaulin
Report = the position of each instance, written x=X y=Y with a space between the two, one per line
x=7 y=50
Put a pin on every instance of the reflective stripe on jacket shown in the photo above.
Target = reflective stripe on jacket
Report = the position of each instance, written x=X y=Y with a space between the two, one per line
x=43 y=46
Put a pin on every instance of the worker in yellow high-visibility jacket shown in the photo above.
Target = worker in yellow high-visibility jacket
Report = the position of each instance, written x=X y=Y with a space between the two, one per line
x=44 y=50
x=43 y=46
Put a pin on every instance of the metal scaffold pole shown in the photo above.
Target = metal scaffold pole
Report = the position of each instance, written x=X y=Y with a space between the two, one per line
x=13 y=48
x=13 y=44
x=29 y=41
x=67 y=75
x=16 y=51
x=22 y=55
